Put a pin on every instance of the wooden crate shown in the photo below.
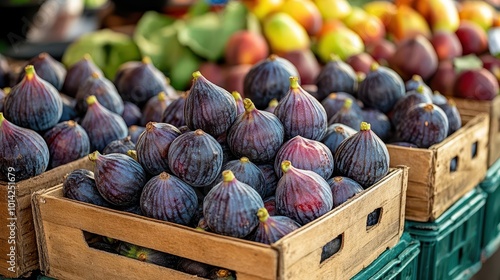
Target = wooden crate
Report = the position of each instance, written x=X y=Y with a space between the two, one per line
x=432 y=187
x=64 y=253
x=24 y=248
x=471 y=108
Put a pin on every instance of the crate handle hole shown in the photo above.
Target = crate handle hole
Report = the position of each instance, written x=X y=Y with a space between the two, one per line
x=474 y=149
x=332 y=247
x=460 y=255
x=373 y=218
x=454 y=164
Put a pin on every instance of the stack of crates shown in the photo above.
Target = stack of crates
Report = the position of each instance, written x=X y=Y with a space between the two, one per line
x=491 y=227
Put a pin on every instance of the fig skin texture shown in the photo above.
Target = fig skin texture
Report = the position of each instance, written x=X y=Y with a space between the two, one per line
x=131 y=113
x=67 y=142
x=379 y=122
x=302 y=195
x=363 y=157
x=336 y=76
x=80 y=185
x=255 y=134
x=270 y=205
x=153 y=146
x=343 y=188
x=335 y=134
x=154 y=108
x=28 y=159
x=270 y=176
x=49 y=69
x=196 y=158
x=301 y=113
x=33 y=103
x=166 y=197
x=119 y=178
x=410 y=99
x=305 y=154
x=347 y=115
x=103 y=89
x=335 y=101
x=230 y=208
x=415 y=82
x=453 y=115
x=78 y=73
x=135 y=131
x=424 y=125
x=209 y=107
x=272 y=228
x=174 y=113
x=120 y=146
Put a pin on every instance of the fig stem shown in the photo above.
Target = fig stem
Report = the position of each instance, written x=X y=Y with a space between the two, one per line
x=244 y=159
x=285 y=166
x=337 y=179
x=374 y=66
x=71 y=123
x=162 y=96
x=364 y=126
x=93 y=156
x=132 y=154
x=142 y=257
x=236 y=95
x=273 y=103
x=150 y=126
x=347 y=103
x=272 y=57
x=91 y=100
x=6 y=90
x=95 y=75
x=30 y=71
x=2 y=118
x=420 y=89
x=196 y=74
x=262 y=214
x=294 y=82
x=429 y=107
x=416 y=77
x=248 y=104
x=227 y=176
x=146 y=60
x=164 y=175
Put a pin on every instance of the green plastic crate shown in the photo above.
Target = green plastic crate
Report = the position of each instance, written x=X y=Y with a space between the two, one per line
x=450 y=247
x=491 y=227
x=397 y=263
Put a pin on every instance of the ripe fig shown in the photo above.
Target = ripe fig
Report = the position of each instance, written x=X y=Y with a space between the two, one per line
x=270 y=177
x=453 y=115
x=362 y=157
x=103 y=89
x=379 y=122
x=195 y=157
x=230 y=207
x=268 y=79
x=47 y=68
x=381 y=88
x=343 y=188
x=174 y=113
x=424 y=125
x=255 y=134
x=415 y=82
x=306 y=63
x=30 y=156
x=335 y=101
x=118 y=177
x=301 y=113
x=478 y=84
x=404 y=104
x=240 y=107
x=336 y=76
x=347 y=115
x=360 y=62
x=272 y=105
x=119 y=146
x=209 y=107
x=444 y=78
x=306 y=154
x=272 y=228
x=102 y=125
x=78 y=73
x=138 y=81
x=166 y=197
x=335 y=134
x=80 y=185
x=153 y=145
x=33 y=103
x=414 y=56
x=131 y=114
x=270 y=205
x=69 y=109
x=194 y=268
x=247 y=172
x=147 y=255
x=154 y=108
x=302 y=195
x=135 y=131
x=67 y=142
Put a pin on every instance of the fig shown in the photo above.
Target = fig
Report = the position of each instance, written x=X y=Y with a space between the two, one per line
x=335 y=134
x=120 y=146
x=134 y=209
x=102 y=125
x=301 y=113
x=379 y=122
x=195 y=157
x=270 y=205
x=131 y=114
x=444 y=78
x=453 y=116
x=240 y=108
x=360 y=62
x=472 y=37
x=302 y=195
x=118 y=177
x=47 y=68
x=346 y=115
x=135 y=131
x=438 y=98
x=194 y=268
x=209 y=107
x=272 y=228
x=69 y=109
x=415 y=82
x=268 y=79
x=414 y=56
x=33 y=103
x=255 y=134
x=270 y=178
x=230 y=207
x=103 y=89
x=343 y=188
x=478 y=84
x=424 y=125
x=336 y=76
x=174 y=113
x=306 y=154
x=221 y=274
x=67 y=142
x=272 y=105
x=247 y=172
x=147 y=255
x=80 y=185
x=335 y=101
x=78 y=73
x=362 y=157
x=381 y=88
x=411 y=99
x=154 y=108
x=306 y=63
x=166 y=197
x=153 y=146
x=138 y=81
x=29 y=158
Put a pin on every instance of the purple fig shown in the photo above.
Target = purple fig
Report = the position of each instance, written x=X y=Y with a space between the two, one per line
x=347 y=115
x=270 y=205
x=270 y=177
x=379 y=122
x=131 y=114
x=135 y=131
x=247 y=172
x=335 y=101
x=174 y=113
x=453 y=115
x=48 y=69
x=120 y=146
x=410 y=99
x=343 y=188
x=336 y=76
x=78 y=73
x=154 y=108
x=335 y=134
x=103 y=89
x=147 y=255
x=80 y=185
x=272 y=228
x=415 y=82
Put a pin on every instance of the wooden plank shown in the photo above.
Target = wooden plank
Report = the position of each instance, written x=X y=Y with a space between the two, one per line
x=420 y=162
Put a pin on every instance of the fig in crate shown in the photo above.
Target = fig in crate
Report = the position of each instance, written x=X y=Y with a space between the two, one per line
x=103 y=89
x=120 y=146
x=80 y=185
x=453 y=115
x=147 y=255
x=78 y=73
x=411 y=98
x=48 y=69
x=343 y=188
x=336 y=76
x=379 y=122
x=335 y=134
x=67 y=142
x=272 y=228
x=240 y=107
